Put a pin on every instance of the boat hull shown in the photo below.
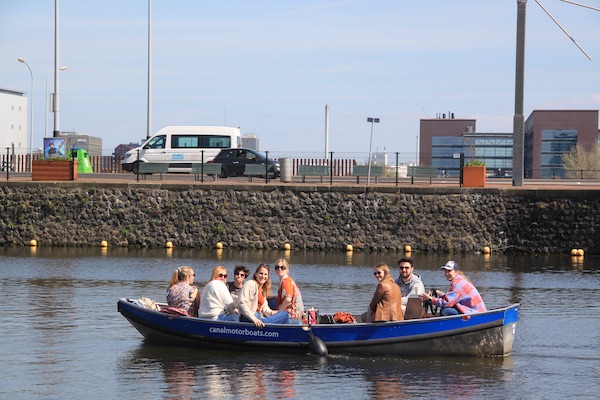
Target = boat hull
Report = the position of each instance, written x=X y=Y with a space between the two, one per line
x=482 y=334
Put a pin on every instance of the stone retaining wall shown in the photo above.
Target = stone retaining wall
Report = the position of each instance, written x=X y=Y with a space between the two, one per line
x=308 y=217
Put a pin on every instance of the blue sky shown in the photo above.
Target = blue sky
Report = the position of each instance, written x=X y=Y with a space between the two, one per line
x=270 y=67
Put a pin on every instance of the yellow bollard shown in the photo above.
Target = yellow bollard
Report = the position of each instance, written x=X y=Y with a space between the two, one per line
x=169 y=245
x=33 y=243
x=407 y=248
x=287 y=246
x=219 y=246
x=349 y=247
x=580 y=252
x=104 y=243
x=487 y=250
x=573 y=252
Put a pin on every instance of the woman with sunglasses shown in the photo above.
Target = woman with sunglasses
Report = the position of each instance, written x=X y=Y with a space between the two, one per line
x=253 y=303
x=216 y=301
x=386 y=304
x=240 y=272
x=289 y=298
x=181 y=294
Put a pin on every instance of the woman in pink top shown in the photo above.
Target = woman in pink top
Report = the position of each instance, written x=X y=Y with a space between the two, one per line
x=181 y=294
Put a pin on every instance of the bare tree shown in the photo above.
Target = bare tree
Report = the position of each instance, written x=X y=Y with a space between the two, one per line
x=582 y=163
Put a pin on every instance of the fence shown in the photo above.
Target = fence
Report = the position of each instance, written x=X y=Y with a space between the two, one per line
x=341 y=167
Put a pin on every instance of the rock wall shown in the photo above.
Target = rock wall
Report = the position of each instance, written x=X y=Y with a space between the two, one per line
x=315 y=218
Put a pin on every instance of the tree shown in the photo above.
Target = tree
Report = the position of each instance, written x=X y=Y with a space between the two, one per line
x=582 y=163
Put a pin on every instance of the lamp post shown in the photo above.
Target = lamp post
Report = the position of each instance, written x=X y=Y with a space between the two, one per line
x=21 y=60
x=46 y=107
x=372 y=121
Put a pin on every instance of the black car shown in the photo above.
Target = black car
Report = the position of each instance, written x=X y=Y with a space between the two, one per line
x=233 y=162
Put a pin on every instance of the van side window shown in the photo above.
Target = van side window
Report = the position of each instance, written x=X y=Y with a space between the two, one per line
x=157 y=142
x=185 y=141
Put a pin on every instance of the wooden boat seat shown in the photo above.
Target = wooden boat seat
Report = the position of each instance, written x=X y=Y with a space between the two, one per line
x=414 y=307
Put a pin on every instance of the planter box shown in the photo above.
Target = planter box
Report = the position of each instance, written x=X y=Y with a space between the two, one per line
x=474 y=176
x=46 y=170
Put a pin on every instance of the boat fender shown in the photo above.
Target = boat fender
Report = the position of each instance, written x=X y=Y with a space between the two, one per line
x=316 y=345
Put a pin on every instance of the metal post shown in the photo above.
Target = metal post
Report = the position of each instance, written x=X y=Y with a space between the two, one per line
x=397 y=168
x=202 y=167
x=149 y=110
x=519 y=120
x=56 y=102
x=372 y=121
x=330 y=168
x=46 y=110
x=462 y=165
x=137 y=173
x=7 y=164
x=21 y=60
x=266 y=167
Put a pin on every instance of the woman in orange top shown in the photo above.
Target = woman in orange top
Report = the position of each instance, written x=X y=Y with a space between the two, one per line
x=289 y=298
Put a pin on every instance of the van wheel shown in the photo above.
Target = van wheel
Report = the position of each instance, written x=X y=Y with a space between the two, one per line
x=136 y=167
x=223 y=173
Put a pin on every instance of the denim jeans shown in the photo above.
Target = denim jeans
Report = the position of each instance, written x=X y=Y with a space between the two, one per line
x=448 y=311
x=281 y=317
x=228 y=317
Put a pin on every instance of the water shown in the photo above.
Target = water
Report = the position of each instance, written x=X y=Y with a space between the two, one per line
x=61 y=335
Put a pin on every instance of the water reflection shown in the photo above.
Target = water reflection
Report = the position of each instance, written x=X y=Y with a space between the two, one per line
x=188 y=373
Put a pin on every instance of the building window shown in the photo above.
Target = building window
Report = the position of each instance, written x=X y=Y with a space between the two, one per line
x=555 y=143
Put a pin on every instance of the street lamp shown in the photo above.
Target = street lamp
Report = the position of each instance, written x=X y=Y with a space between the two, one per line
x=47 y=95
x=372 y=121
x=21 y=60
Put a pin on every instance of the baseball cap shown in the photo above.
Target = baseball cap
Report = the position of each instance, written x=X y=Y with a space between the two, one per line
x=451 y=266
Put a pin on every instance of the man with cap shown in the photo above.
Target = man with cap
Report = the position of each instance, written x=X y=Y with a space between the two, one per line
x=461 y=298
x=409 y=282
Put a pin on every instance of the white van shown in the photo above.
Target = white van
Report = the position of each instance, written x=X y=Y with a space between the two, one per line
x=180 y=146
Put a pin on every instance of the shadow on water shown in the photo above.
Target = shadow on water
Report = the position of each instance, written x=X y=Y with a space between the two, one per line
x=188 y=373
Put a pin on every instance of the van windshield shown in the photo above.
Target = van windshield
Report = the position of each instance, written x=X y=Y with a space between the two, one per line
x=157 y=142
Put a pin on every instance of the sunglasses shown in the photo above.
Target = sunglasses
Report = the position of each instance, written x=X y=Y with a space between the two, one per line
x=281 y=267
x=222 y=275
x=378 y=273
x=404 y=267
x=243 y=275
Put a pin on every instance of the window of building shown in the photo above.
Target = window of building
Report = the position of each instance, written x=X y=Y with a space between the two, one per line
x=555 y=143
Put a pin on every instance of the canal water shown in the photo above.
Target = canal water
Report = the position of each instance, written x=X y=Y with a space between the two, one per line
x=61 y=335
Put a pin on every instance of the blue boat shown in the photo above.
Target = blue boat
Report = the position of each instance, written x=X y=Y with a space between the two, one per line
x=489 y=333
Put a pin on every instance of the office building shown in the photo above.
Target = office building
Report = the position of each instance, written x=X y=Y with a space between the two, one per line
x=14 y=117
x=548 y=135
x=551 y=133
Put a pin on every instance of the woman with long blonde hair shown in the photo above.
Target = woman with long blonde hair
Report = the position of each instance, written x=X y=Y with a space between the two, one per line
x=216 y=301
x=253 y=305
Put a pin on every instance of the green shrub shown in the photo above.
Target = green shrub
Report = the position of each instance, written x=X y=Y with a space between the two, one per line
x=475 y=163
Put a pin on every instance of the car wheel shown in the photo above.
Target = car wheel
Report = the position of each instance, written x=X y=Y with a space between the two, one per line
x=223 y=173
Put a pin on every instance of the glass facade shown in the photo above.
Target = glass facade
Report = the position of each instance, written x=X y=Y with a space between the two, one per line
x=556 y=142
x=494 y=149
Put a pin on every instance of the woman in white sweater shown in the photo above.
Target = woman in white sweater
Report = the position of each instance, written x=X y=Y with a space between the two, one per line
x=216 y=301
x=253 y=303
